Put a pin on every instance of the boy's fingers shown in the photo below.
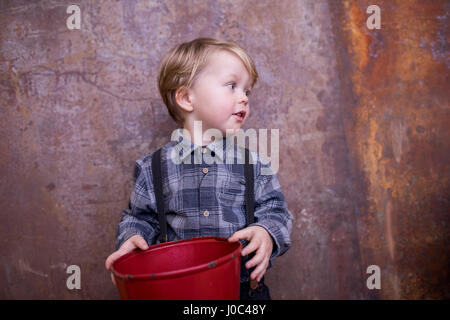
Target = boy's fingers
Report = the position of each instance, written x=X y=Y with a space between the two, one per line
x=258 y=275
x=140 y=243
x=107 y=262
x=110 y=260
x=127 y=246
x=113 y=280
x=252 y=246
x=259 y=271
x=260 y=261
x=241 y=234
x=113 y=257
x=256 y=260
x=235 y=237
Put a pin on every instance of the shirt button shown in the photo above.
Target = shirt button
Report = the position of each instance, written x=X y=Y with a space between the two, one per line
x=206 y=213
x=205 y=170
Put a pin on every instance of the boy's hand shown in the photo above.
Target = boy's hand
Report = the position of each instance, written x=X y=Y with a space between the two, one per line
x=132 y=243
x=259 y=240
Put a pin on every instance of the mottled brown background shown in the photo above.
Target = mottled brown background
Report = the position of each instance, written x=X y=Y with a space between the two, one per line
x=364 y=136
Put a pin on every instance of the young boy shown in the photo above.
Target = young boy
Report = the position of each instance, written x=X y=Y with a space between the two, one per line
x=208 y=81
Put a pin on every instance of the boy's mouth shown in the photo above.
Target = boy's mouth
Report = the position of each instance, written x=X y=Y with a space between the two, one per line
x=239 y=115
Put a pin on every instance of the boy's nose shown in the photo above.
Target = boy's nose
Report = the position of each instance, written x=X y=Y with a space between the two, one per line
x=243 y=97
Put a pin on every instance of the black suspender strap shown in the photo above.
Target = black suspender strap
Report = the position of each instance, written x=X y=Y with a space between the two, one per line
x=157 y=182
x=249 y=190
x=249 y=203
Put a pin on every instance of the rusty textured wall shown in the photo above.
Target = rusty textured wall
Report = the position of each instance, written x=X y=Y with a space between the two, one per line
x=363 y=158
x=395 y=105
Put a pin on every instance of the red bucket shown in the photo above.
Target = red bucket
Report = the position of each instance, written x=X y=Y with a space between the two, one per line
x=205 y=268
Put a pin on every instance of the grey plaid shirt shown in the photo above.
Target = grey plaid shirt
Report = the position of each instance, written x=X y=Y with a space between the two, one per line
x=204 y=199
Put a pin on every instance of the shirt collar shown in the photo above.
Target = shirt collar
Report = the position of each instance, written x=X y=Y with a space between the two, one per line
x=185 y=147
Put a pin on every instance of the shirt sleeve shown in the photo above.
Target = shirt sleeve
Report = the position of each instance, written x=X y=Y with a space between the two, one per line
x=140 y=217
x=271 y=211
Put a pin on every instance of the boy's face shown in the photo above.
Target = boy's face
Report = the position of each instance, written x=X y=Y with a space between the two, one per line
x=221 y=91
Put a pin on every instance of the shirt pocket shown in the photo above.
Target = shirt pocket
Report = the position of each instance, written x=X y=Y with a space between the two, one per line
x=231 y=198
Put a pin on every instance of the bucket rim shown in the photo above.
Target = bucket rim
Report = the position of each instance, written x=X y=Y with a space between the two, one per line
x=177 y=273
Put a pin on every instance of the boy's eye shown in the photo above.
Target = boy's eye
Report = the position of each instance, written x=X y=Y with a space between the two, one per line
x=233 y=85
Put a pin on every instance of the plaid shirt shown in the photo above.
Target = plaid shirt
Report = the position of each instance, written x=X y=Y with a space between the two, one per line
x=204 y=199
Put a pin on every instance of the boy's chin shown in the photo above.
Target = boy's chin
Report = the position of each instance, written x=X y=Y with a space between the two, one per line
x=232 y=131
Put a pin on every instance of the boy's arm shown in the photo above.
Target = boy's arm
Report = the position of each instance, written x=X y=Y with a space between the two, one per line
x=140 y=217
x=271 y=210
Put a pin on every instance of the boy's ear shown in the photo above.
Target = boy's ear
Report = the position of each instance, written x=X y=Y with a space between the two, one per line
x=183 y=99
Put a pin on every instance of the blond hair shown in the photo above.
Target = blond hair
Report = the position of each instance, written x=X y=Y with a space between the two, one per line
x=183 y=63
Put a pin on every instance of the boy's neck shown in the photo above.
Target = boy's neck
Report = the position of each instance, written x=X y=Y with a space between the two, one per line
x=196 y=135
